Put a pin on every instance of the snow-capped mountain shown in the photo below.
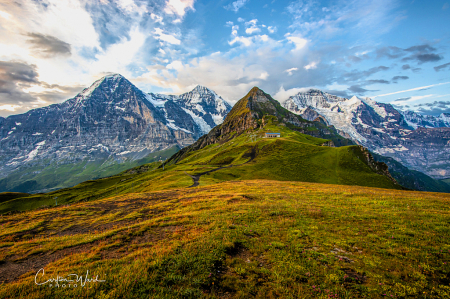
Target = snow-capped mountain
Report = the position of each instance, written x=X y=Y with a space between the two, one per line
x=110 y=122
x=204 y=106
x=382 y=129
x=416 y=120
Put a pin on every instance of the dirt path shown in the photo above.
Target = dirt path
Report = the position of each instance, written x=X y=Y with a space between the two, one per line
x=196 y=177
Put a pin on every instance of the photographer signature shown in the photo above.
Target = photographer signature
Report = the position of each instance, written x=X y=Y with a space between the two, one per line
x=71 y=280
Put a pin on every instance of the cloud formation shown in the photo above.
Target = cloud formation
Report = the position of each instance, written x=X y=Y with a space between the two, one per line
x=236 y=5
x=46 y=46
x=442 y=67
x=419 y=53
x=179 y=7
x=173 y=45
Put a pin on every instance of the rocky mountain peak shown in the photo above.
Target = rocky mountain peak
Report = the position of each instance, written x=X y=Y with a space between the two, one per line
x=202 y=90
x=105 y=87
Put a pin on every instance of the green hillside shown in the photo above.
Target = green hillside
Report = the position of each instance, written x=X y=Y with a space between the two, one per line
x=412 y=179
x=447 y=181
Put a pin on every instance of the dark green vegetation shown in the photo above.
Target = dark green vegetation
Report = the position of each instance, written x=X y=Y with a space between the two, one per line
x=412 y=179
x=247 y=239
x=48 y=175
x=447 y=181
x=5 y=196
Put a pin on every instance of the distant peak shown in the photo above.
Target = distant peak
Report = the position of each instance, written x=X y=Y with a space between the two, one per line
x=201 y=89
x=113 y=76
x=108 y=79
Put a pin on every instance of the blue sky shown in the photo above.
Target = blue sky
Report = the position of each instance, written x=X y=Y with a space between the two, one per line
x=395 y=51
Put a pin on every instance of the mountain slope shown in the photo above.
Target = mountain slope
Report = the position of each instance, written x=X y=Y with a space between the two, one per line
x=382 y=129
x=239 y=145
x=412 y=179
x=107 y=128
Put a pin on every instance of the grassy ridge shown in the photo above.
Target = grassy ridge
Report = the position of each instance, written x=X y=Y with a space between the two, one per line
x=264 y=239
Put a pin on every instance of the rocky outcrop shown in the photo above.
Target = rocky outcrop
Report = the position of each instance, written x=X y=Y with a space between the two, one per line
x=377 y=167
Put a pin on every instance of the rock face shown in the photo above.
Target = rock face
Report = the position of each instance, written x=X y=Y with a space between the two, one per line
x=111 y=121
x=416 y=141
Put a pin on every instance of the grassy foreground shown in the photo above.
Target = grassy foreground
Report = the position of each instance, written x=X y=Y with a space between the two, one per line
x=235 y=239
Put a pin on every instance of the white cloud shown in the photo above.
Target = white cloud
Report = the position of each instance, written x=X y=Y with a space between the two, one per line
x=118 y=56
x=236 y=5
x=413 y=99
x=166 y=37
x=367 y=18
x=289 y=71
x=264 y=76
x=246 y=41
x=282 y=95
x=179 y=7
x=417 y=98
x=175 y=65
x=272 y=29
x=252 y=30
x=241 y=20
x=413 y=89
x=11 y=108
x=299 y=42
x=157 y=18
x=5 y=15
x=128 y=6
x=232 y=74
x=251 y=27
x=311 y=66
x=234 y=30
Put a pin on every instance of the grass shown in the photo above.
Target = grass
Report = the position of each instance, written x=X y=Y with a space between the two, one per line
x=239 y=239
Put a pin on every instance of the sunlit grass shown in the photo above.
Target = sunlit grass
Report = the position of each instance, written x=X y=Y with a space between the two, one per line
x=243 y=239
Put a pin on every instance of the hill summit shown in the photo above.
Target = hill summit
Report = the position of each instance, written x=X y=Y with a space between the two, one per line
x=252 y=113
x=307 y=150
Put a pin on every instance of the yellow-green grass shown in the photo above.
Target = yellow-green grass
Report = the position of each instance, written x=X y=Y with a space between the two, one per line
x=239 y=239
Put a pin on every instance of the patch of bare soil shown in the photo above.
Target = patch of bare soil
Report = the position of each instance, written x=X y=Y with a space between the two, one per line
x=353 y=277
x=14 y=267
